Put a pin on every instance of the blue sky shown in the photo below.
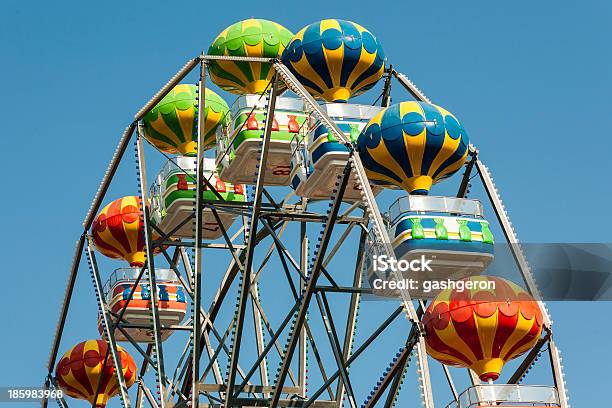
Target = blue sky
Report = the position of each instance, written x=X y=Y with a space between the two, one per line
x=531 y=82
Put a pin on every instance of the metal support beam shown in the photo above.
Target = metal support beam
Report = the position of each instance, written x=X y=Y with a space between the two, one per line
x=311 y=283
x=108 y=175
x=74 y=268
x=411 y=342
x=396 y=371
x=109 y=331
x=143 y=370
x=302 y=346
x=451 y=384
x=176 y=78
x=147 y=393
x=259 y=335
x=204 y=340
x=351 y=320
x=357 y=353
x=467 y=174
x=510 y=235
x=395 y=385
x=250 y=251
x=332 y=334
x=198 y=222
x=410 y=87
x=150 y=265
x=528 y=361
x=386 y=96
x=267 y=348
x=224 y=286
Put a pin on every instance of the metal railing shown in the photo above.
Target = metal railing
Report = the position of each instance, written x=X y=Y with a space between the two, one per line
x=183 y=164
x=351 y=111
x=514 y=395
x=131 y=274
x=451 y=205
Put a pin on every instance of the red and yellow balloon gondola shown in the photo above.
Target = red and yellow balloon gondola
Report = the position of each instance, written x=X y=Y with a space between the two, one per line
x=82 y=367
x=118 y=231
x=482 y=328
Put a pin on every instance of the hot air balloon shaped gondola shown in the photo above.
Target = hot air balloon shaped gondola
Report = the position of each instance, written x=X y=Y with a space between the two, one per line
x=412 y=145
x=173 y=195
x=171 y=125
x=482 y=327
x=315 y=168
x=81 y=370
x=171 y=303
x=118 y=231
x=249 y=38
x=335 y=59
x=239 y=150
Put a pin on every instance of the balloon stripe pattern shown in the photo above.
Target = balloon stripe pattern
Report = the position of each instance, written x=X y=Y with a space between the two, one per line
x=171 y=125
x=413 y=145
x=249 y=38
x=335 y=59
x=482 y=329
x=118 y=231
x=81 y=368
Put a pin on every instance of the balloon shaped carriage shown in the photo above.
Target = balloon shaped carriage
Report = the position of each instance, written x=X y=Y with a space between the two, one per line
x=239 y=147
x=450 y=233
x=320 y=159
x=122 y=292
x=85 y=372
x=173 y=195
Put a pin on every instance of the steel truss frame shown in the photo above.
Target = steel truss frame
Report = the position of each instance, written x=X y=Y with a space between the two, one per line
x=269 y=220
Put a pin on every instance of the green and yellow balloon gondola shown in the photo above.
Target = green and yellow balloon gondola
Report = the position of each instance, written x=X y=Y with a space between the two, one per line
x=249 y=38
x=171 y=125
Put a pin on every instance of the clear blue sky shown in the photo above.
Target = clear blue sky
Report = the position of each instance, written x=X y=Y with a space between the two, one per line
x=531 y=82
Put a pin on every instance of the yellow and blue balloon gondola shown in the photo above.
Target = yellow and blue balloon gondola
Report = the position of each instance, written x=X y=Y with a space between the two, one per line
x=335 y=59
x=412 y=145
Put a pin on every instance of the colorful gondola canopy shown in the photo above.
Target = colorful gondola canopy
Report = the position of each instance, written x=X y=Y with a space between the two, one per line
x=248 y=38
x=118 y=231
x=335 y=59
x=82 y=367
x=171 y=125
x=412 y=145
x=482 y=328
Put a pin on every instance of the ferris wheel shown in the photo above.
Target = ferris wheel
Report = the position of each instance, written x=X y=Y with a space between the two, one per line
x=251 y=251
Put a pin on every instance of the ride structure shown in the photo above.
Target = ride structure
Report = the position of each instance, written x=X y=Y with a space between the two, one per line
x=217 y=196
